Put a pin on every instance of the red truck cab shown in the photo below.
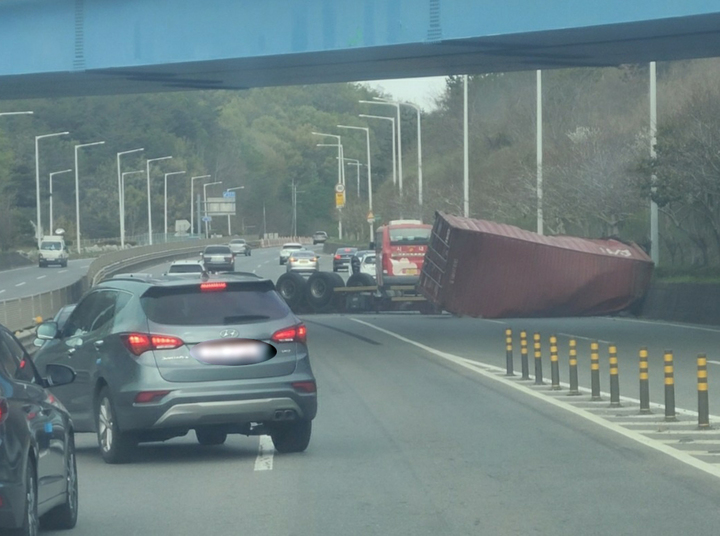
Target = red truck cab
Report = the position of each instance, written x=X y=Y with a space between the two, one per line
x=400 y=247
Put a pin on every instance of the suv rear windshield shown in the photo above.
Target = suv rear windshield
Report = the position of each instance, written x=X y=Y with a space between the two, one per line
x=211 y=250
x=52 y=246
x=189 y=306
x=185 y=268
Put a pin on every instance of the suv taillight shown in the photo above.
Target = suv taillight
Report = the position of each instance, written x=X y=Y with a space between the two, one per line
x=292 y=334
x=338 y=257
x=139 y=343
x=4 y=409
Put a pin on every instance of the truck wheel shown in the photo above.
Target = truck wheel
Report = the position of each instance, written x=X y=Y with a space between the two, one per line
x=321 y=290
x=291 y=287
x=361 y=280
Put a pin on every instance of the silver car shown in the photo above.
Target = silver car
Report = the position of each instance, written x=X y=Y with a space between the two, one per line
x=157 y=357
x=288 y=249
x=303 y=261
x=239 y=247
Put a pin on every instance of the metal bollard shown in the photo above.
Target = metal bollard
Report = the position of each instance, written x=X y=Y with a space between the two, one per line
x=538 y=361
x=644 y=382
x=574 y=388
x=669 y=387
x=595 y=371
x=524 y=356
x=703 y=402
x=614 y=378
x=554 y=364
x=509 y=353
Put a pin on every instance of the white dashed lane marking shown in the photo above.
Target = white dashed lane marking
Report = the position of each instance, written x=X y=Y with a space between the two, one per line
x=42 y=277
x=20 y=284
x=62 y=271
x=266 y=452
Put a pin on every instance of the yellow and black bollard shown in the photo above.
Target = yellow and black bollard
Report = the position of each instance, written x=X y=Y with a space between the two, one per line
x=703 y=402
x=614 y=378
x=644 y=382
x=574 y=388
x=554 y=364
x=525 y=366
x=669 y=387
x=509 y=353
x=538 y=360
x=595 y=371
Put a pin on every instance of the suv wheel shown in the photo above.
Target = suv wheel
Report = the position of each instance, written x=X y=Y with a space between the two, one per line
x=31 y=522
x=64 y=517
x=210 y=437
x=115 y=446
x=292 y=436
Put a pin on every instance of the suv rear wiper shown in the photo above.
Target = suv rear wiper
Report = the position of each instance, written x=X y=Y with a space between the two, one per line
x=243 y=318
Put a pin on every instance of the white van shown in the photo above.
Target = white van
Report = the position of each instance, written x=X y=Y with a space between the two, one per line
x=52 y=251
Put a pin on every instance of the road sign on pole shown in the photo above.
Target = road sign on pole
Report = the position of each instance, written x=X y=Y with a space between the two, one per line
x=229 y=195
x=339 y=199
x=207 y=218
x=339 y=188
x=370 y=217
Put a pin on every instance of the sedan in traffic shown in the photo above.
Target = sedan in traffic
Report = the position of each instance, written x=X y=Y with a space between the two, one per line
x=303 y=261
x=38 y=473
x=239 y=247
x=341 y=260
x=218 y=259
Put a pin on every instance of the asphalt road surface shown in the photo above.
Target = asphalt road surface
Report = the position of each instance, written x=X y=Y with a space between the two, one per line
x=29 y=280
x=419 y=433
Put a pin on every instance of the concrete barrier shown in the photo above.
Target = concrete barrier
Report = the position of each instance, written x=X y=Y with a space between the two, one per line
x=695 y=303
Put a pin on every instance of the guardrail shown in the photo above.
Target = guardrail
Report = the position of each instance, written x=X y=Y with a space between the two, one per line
x=23 y=313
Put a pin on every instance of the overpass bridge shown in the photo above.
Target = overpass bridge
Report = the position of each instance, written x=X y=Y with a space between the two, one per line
x=56 y=48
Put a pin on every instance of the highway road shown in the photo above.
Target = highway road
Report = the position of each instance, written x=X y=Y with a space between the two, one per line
x=420 y=433
x=29 y=280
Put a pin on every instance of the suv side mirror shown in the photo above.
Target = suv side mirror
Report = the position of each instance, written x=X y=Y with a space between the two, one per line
x=47 y=331
x=57 y=374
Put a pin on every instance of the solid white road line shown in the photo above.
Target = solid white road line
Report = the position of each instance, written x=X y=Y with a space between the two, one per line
x=634 y=435
x=671 y=324
x=20 y=284
x=714 y=362
x=42 y=277
x=266 y=451
x=571 y=336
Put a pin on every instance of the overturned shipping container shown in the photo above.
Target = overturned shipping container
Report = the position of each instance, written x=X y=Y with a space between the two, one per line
x=486 y=269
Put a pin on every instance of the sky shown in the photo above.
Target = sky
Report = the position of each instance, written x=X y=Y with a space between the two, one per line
x=420 y=91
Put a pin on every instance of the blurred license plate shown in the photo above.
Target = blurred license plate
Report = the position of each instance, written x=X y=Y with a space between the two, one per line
x=233 y=352
x=410 y=271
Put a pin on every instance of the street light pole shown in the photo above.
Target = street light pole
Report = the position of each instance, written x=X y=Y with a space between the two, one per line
x=205 y=203
x=192 y=202
x=38 y=229
x=654 y=232
x=539 y=152
x=419 y=142
x=122 y=190
x=377 y=100
x=341 y=174
x=166 y=220
x=149 y=199
x=394 y=148
x=230 y=190
x=369 y=166
x=51 y=195
x=77 y=190
x=120 y=197
x=466 y=151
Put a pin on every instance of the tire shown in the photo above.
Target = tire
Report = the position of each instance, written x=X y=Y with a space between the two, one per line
x=292 y=288
x=115 y=446
x=41 y=264
x=64 y=517
x=210 y=437
x=291 y=437
x=361 y=280
x=320 y=291
x=31 y=523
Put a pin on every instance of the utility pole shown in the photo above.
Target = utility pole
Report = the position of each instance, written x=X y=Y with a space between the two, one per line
x=654 y=232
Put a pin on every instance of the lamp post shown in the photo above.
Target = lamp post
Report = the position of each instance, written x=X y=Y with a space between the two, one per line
x=77 y=190
x=418 y=111
x=394 y=148
x=231 y=190
x=369 y=167
x=341 y=174
x=122 y=189
x=466 y=152
x=166 y=221
x=150 y=240
x=192 y=202
x=51 y=195
x=205 y=203
x=38 y=229
x=377 y=100
x=120 y=197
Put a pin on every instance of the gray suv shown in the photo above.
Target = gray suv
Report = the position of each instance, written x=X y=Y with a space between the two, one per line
x=157 y=357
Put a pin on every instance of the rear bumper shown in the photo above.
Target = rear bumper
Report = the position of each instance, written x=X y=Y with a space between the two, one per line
x=343 y=263
x=306 y=269
x=219 y=267
x=13 y=509
x=197 y=404
x=390 y=280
